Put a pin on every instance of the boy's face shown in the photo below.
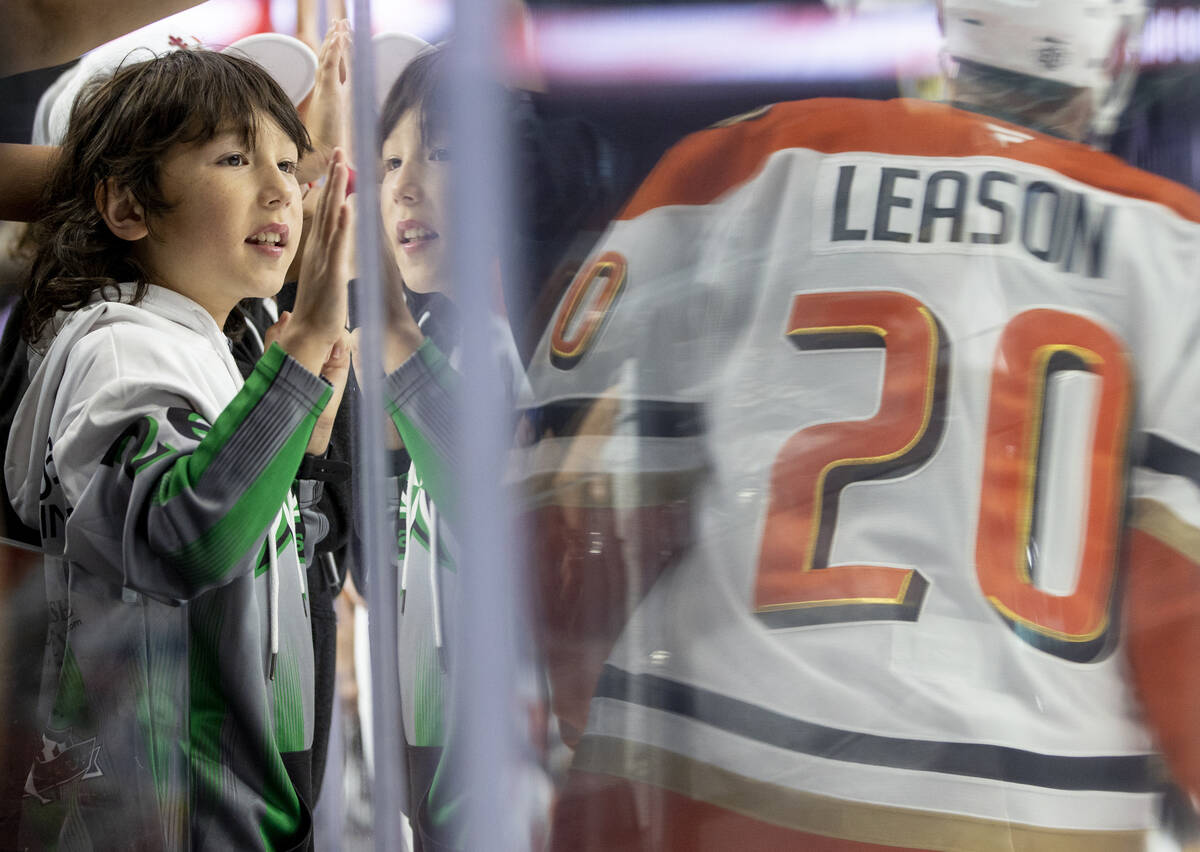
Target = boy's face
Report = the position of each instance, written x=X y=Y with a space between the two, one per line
x=235 y=222
x=413 y=201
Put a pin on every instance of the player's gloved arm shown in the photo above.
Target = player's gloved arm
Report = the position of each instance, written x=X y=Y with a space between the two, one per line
x=171 y=489
x=1162 y=620
x=1161 y=593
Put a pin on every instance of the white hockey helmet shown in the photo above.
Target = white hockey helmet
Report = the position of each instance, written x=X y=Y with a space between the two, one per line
x=1083 y=43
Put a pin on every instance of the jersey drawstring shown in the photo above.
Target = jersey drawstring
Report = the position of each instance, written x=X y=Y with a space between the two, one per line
x=410 y=514
x=435 y=587
x=273 y=585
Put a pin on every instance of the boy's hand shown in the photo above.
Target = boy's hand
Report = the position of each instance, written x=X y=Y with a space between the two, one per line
x=336 y=371
x=322 y=302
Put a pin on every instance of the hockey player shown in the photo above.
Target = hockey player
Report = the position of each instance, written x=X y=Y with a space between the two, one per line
x=177 y=696
x=881 y=414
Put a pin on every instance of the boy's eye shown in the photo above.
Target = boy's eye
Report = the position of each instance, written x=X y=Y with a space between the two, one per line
x=390 y=164
x=235 y=160
x=439 y=154
x=288 y=167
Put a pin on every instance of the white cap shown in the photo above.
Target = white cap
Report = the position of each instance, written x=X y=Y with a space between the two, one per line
x=289 y=61
x=393 y=52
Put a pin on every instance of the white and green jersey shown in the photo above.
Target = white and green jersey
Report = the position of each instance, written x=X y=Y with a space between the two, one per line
x=178 y=691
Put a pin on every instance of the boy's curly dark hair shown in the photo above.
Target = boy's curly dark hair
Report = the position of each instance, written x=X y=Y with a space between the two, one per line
x=121 y=126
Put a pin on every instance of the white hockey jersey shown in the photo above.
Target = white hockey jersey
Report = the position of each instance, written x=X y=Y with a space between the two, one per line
x=901 y=360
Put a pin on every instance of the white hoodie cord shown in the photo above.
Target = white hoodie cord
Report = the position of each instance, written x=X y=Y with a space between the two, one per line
x=273 y=585
x=272 y=311
x=253 y=334
x=410 y=515
x=435 y=587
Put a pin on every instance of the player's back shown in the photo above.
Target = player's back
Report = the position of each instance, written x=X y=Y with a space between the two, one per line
x=909 y=354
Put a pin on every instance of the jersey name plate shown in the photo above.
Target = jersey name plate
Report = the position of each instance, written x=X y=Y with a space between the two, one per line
x=866 y=202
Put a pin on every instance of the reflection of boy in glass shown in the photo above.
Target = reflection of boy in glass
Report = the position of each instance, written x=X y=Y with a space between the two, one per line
x=421 y=355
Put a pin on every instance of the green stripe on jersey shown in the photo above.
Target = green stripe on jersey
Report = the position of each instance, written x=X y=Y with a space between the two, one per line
x=217 y=550
x=186 y=472
x=428 y=463
x=207 y=705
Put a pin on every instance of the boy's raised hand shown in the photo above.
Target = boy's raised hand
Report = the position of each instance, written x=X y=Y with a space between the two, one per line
x=322 y=301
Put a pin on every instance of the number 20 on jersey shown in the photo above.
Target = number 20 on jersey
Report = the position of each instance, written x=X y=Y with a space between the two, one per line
x=796 y=586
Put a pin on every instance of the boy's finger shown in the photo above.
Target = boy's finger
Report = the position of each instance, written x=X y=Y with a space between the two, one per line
x=344 y=67
x=347 y=56
x=321 y=218
x=346 y=218
x=339 y=243
x=328 y=54
x=319 y=210
x=336 y=193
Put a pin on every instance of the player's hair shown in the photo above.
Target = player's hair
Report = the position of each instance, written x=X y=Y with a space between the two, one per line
x=421 y=86
x=1034 y=102
x=121 y=127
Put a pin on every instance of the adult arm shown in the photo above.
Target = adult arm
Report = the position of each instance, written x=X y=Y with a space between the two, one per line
x=24 y=170
x=43 y=33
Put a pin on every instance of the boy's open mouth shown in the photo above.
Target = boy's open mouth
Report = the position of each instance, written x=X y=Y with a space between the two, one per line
x=416 y=235
x=272 y=235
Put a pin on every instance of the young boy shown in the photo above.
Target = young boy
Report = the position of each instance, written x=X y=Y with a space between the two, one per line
x=177 y=694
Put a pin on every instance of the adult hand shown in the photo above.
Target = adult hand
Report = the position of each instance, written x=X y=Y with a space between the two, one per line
x=327 y=110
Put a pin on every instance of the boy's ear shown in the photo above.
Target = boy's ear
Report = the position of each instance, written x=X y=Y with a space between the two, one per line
x=120 y=210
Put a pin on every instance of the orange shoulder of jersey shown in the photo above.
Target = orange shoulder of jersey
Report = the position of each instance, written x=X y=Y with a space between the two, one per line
x=705 y=165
